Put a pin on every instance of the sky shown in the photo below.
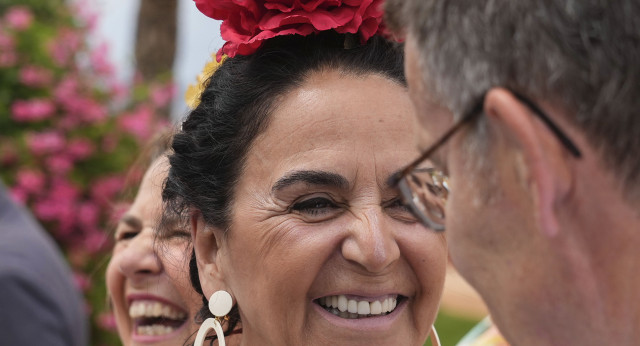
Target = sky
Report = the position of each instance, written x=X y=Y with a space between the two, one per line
x=198 y=38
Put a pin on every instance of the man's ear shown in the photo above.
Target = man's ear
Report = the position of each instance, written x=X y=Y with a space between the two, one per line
x=206 y=244
x=544 y=165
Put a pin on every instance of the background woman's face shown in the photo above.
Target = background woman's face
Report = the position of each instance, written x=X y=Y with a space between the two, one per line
x=315 y=224
x=151 y=293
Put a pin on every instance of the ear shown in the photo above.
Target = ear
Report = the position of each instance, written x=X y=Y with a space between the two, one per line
x=543 y=167
x=206 y=244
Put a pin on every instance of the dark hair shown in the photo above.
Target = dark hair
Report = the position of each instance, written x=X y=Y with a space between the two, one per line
x=210 y=150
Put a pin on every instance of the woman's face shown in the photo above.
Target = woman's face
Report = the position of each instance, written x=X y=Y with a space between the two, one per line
x=320 y=249
x=152 y=297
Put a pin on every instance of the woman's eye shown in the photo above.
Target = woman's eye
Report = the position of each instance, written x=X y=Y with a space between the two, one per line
x=125 y=235
x=399 y=210
x=317 y=206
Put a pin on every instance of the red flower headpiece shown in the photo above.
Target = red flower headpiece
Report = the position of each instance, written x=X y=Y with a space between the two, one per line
x=246 y=23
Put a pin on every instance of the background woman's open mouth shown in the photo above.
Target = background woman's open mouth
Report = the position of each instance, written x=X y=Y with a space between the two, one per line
x=354 y=308
x=155 y=318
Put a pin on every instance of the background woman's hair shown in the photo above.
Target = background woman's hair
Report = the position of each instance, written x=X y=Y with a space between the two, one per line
x=210 y=150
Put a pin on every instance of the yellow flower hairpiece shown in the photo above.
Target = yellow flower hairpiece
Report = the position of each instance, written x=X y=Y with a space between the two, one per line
x=194 y=91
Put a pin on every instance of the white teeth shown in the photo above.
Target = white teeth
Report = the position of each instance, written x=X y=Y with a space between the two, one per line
x=150 y=308
x=342 y=303
x=350 y=308
x=376 y=308
x=155 y=329
x=364 y=308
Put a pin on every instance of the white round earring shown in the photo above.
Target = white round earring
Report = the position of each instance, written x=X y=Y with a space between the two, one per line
x=220 y=303
x=435 y=340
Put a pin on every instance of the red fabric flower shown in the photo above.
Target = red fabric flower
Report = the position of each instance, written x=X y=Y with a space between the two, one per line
x=246 y=23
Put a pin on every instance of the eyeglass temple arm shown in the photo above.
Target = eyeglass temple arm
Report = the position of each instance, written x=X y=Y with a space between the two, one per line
x=550 y=124
x=475 y=111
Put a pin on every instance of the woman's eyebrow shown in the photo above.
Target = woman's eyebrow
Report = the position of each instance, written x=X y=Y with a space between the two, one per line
x=321 y=178
x=131 y=221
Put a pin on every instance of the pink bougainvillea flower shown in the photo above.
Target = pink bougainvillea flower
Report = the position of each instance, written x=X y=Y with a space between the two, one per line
x=19 y=195
x=95 y=241
x=59 y=164
x=34 y=76
x=31 y=181
x=7 y=43
x=45 y=142
x=99 y=59
x=137 y=122
x=105 y=189
x=64 y=46
x=18 y=17
x=88 y=214
x=8 y=59
x=32 y=110
x=80 y=148
x=247 y=23
x=161 y=95
x=107 y=321
x=82 y=281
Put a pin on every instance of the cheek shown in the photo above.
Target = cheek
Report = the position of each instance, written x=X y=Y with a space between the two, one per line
x=115 y=288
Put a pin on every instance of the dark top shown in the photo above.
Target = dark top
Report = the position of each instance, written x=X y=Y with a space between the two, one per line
x=39 y=304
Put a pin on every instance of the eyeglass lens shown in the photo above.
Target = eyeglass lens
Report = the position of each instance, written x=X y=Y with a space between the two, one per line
x=425 y=191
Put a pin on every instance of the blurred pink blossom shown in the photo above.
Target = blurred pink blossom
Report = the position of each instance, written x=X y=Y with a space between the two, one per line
x=59 y=164
x=99 y=59
x=18 y=17
x=19 y=195
x=63 y=47
x=46 y=209
x=84 y=11
x=31 y=181
x=80 y=148
x=161 y=95
x=45 y=142
x=7 y=43
x=32 y=110
x=8 y=59
x=107 y=321
x=34 y=76
x=88 y=214
x=82 y=281
x=138 y=122
x=105 y=189
x=95 y=241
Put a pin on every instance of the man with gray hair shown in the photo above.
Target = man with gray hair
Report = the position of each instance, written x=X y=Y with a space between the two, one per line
x=531 y=130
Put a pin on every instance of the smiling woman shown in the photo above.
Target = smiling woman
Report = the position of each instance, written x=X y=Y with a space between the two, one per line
x=152 y=299
x=283 y=169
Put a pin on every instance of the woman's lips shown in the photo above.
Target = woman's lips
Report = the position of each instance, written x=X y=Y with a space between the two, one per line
x=369 y=323
x=155 y=318
x=358 y=307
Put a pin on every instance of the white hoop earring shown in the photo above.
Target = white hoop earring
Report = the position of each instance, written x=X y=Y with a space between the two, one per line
x=435 y=340
x=220 y=304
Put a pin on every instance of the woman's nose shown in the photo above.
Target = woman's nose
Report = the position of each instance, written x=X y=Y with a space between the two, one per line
x=139 y=258
x=370 y=242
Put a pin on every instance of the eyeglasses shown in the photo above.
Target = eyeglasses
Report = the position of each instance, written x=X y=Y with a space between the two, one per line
x=425 y=190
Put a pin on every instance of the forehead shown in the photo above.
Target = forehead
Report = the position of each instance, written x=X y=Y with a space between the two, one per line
x=149 y=198
x=334 y=115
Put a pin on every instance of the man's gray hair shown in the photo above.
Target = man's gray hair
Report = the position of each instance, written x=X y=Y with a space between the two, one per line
x=582 y=56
